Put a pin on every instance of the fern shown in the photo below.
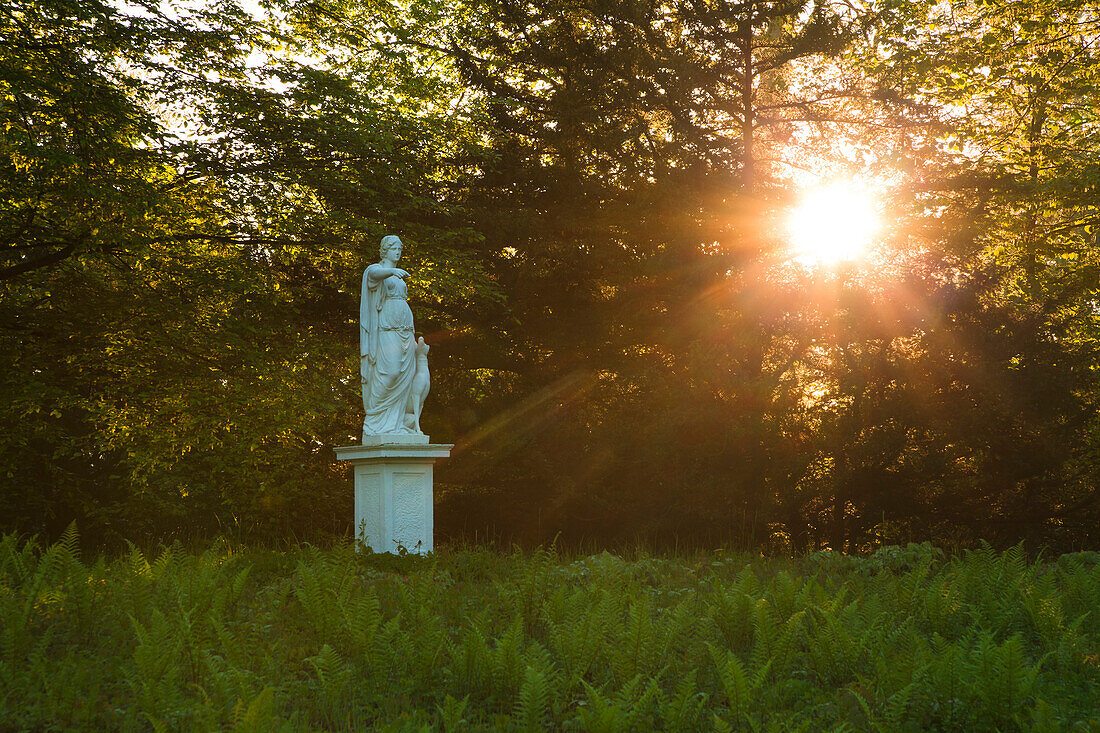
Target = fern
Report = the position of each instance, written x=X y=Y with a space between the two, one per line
x=898 y=706
x=638 y=702
x=739 y=686
x=1007 y=678
x=451 y=714
x=507 y=662
x=316 y=600
x=636 y=648
x=598 y=714
x=575 y=632
x=258 y=716
x=332 y=672
x=833 y=651
x=330 y=639
x=155 y=673
x=331 y=705
x=15 y=557
x=69 y=542
x=732 y=614
x=684 y=710
x=533 y=701
x=362 y=617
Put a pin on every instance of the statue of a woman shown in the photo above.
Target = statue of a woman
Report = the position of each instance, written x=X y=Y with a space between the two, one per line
x=390 y=356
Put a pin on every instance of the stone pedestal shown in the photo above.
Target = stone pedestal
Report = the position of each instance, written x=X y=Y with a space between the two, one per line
x=393 y=493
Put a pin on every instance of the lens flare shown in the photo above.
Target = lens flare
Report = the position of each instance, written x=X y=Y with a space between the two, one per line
x=832 y=224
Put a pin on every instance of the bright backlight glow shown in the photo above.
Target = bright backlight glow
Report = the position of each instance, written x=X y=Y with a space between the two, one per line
x=832 y=224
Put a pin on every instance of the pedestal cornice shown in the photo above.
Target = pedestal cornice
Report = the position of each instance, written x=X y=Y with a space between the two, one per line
x=393 y=451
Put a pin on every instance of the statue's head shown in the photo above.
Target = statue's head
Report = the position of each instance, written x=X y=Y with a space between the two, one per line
x=390 y=247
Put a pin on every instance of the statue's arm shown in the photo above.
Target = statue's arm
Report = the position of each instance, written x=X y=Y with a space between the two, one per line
x=381 y=272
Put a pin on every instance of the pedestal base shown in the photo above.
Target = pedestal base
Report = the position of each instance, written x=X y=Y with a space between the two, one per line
x=395 y=439
x=393 y=494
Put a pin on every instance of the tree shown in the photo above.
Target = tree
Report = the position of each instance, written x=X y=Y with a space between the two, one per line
x=184 y=255
x=992 y=436
x=616 y=213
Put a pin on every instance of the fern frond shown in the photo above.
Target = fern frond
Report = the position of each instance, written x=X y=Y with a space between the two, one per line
x=451 y=713
x=598 y=714
x=257 y=716
x=684 y=710
x=70 y=541
x=734 y=681
x=532 y=707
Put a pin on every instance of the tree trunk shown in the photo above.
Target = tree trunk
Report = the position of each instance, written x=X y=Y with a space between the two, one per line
x=748 y=122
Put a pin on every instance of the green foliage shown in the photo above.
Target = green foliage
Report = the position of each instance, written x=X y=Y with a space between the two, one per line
x=319 y=639
x=182 y=233
x=679 y=381
x=593 y=193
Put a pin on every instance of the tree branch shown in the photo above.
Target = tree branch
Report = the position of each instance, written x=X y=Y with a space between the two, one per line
x=30 y=265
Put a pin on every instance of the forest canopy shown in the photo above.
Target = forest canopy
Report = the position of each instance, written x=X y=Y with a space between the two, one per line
x=634 y=337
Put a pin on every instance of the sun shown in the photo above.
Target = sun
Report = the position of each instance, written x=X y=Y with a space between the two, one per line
x=832 y=224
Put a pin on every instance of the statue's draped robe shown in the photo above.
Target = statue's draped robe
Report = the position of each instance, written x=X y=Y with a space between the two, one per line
x=387 y=353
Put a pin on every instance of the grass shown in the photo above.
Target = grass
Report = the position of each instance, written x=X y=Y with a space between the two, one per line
x=312 y=639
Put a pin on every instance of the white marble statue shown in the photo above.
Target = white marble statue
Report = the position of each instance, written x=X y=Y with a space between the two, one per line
x=393 y=365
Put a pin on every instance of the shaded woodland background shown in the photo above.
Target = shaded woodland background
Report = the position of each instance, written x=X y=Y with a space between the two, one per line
x=591 y=194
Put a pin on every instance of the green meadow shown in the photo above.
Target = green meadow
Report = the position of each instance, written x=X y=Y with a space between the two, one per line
x=308 y=638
